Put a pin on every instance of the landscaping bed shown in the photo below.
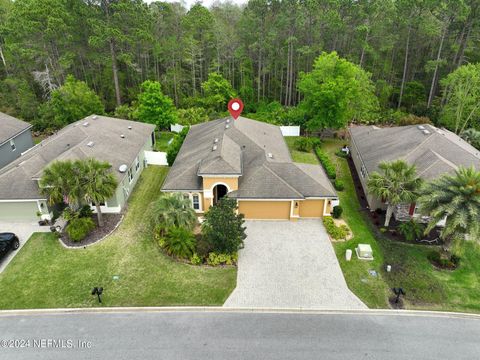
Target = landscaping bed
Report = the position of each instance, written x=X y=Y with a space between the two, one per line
x=111 y=221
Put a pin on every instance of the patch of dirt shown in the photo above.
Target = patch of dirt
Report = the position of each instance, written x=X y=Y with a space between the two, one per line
x=340 y=222
x=111 y=221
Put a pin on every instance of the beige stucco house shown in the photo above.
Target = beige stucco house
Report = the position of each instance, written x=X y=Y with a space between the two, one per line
x=249 y=161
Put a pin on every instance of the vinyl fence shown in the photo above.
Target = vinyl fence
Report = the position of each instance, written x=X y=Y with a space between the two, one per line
x=290 y=130
x=156 y=158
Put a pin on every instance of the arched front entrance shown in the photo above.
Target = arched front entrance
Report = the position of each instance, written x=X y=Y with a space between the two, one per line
x=219 y=191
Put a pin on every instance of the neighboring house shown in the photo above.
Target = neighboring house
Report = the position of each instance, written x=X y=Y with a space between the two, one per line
x=121 y=143
x=248 y=160
x=433 y=151
x=15 y=138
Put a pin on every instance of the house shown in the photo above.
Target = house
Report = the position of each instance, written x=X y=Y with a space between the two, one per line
x=121 y=143
x=15 y=138
x=249 y=161
x=433 y=151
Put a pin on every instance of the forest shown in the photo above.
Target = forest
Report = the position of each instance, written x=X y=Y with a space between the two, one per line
x=318 y=63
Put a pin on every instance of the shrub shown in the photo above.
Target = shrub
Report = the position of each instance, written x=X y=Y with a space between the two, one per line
x=223 y=227
x=411 y=230
x=306 y=144
x=215 y=259
x=336 y=232
x=175 y=145
x=179 y=242
x=341 y=154
x=85 y=211
x=337 y=212
x=327 y=164
x=339 y=185
x=78 y=228
x=195 y=259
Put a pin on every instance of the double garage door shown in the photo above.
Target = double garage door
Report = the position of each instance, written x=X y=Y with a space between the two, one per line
x=279 y=210
x=18 y=211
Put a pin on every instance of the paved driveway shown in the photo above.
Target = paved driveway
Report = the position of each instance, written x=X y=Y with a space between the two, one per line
x=290 y=265
x=23 y=231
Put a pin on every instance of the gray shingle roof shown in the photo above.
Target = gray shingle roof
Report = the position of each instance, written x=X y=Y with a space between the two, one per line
x=17 y=180
x=10 y=127
x=243 y=149
x=438 y=152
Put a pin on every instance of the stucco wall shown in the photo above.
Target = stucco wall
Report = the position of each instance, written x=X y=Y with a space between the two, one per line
x=311 y=208
x=209 y=182
x=262 y=210
x=23 y=142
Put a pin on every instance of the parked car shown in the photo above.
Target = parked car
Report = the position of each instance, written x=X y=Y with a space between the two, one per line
x=8 y=241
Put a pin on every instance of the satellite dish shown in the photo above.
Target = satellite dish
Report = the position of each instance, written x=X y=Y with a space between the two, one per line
x=123 y=168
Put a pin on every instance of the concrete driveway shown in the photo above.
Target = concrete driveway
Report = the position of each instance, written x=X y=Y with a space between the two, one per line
x=290 y=265
x=23 y=230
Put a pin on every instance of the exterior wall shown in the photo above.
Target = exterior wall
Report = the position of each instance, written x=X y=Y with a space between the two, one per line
x=312 y=208
x=19 y=211
x=265 y=210
x=210 y=182
x=373 y=201
x=22 y=142
x=125 y=187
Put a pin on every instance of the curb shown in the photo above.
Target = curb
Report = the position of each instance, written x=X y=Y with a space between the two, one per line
x=217 y=309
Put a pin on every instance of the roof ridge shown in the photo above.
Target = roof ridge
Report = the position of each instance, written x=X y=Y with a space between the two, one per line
x=418 y=146
x=265 y=165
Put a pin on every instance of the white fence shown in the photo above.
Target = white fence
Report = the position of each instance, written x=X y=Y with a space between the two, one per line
x=290 y=130
x=176 y=128
x=156 y=158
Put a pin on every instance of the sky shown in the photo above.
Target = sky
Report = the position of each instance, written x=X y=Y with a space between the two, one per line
x=207 y=3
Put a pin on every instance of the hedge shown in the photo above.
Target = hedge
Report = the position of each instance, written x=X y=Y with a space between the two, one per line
x=327 y=164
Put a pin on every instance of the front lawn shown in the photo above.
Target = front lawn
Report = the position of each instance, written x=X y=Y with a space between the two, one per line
x=300 y=156
x=425 y=286
x=46 y=275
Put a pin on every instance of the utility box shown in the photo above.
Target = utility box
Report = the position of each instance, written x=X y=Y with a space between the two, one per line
x=364 y=252
x=348 y=255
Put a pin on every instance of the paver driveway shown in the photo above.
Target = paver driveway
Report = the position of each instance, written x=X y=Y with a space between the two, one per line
x=290 y=265
x=23 y=231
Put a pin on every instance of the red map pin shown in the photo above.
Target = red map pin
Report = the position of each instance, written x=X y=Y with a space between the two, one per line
x=235 y=107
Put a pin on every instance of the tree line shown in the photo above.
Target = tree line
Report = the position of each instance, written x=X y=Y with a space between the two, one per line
x=405 y=50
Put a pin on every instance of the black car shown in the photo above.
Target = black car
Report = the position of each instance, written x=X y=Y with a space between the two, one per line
x=8 y=241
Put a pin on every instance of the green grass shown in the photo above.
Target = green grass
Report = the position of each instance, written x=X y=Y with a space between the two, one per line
x=426 y=286
x=300 y=156
x=46 y=275
x=163 y=137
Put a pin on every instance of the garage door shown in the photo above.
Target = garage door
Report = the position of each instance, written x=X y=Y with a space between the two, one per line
x=18 y=211
x=265 y=210
x=311 y=208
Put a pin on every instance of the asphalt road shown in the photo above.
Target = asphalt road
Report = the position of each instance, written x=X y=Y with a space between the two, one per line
x=223 y=335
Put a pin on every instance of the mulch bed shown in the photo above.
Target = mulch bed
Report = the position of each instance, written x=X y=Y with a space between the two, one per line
x=110 y=222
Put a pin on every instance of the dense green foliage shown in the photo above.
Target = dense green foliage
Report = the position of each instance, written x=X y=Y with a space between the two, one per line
x=173 y=210
x=456 y=197
x=179 y=242
x=78 y=228
x=223 y=227
x=336 y=232
x=154 y=107
x=175 y=145
x=396 y=183
x=336 y=92
x=411 y=230
x=326 y=163
x=258 y=51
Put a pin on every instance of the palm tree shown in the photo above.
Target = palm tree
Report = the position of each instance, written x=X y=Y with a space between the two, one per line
x=398 y=183
x=173 y=210
x=98 y=183
x=456 y=198
x=60 y=183
x=472 y=136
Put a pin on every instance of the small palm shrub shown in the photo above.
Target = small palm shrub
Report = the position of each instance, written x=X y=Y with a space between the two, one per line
x=411 y=230
x=179 y=242
x=78 y=228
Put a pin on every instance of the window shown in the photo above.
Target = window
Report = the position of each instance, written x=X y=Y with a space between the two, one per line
x=137 y=164
x=130 y=175
x=196 y=201
x=12 y=144
x=363 y=170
